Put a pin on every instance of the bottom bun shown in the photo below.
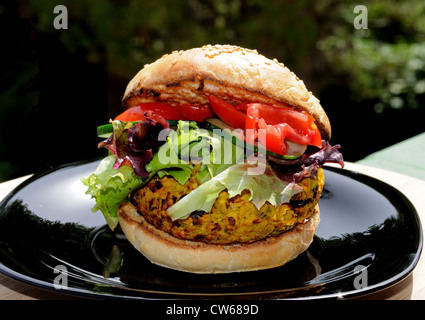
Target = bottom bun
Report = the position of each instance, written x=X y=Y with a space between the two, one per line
x=197 y=257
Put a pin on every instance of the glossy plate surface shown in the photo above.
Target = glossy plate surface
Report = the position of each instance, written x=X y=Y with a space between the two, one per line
x=369 y=238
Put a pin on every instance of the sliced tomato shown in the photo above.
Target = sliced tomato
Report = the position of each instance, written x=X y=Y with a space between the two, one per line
x=227 y=112
x=273 y=139
x=298 y=120
x=315 y=136
x=137 y=112
x=243 y=106
x=196 y=112
x=169 y=112
x=280 y=124
x=251 y=121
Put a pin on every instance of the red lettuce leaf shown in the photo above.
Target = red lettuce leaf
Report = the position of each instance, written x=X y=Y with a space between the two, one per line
x=135 y=146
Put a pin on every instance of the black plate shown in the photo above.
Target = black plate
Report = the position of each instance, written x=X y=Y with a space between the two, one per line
x=50 y=238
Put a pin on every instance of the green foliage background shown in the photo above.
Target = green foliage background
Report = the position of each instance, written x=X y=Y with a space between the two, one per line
x=384 y=62
x=374 y=77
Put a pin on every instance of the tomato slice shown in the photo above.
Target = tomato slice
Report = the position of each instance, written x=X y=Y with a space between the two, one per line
x=227 y=112
x=274 y=138
x=251 y=125
x=137 y=112
x=280 y=124
x=169 y=112
x=243 y=106
x=315 y=136
x=298 y=120
x=196 y=112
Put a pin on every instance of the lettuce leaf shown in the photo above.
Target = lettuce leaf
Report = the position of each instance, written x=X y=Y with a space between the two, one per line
x=115 y=178
x=173 y=156
x=110 y=187
x=189 y=142
x=264 y=186
x=222 y=157
x=135 y=144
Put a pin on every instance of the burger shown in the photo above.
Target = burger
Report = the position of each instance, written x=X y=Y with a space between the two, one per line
x=215 y=166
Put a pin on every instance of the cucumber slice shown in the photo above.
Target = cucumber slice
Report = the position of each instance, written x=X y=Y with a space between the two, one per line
x=104 y=131
x=296 y=150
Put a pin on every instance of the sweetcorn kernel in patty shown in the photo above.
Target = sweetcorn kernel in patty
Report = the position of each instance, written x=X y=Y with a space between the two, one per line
x=231 y=220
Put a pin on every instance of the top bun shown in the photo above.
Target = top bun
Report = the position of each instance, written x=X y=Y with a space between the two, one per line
x=231 y=73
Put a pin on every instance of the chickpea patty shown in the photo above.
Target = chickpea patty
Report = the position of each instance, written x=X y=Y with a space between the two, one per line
x=231 y=220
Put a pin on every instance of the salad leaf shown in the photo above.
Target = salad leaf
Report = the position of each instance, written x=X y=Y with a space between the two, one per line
x=173 y=156
x=309 y=171
x=135 y=144
x=187 y=145
x=236 y=178
x=110 y=187
x=115 y=178
x=327 y=153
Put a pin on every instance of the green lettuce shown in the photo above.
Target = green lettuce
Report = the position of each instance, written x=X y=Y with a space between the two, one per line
x=188 y=142
x=225 y=153
x=110 y=187
x=173 y=156
x=260 y=179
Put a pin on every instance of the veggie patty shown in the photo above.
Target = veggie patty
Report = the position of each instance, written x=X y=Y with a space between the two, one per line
x=234 y=220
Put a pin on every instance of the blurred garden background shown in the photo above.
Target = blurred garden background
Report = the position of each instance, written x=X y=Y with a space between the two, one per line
x=56 y=86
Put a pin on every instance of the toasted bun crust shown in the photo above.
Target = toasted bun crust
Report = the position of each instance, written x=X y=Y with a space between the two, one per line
x=197 y=257
x=232 y=73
